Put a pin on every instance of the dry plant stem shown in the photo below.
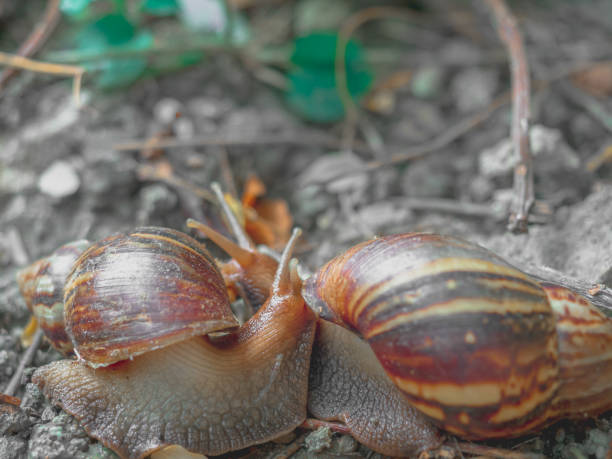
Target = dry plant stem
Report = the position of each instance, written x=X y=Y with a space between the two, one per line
x=9 y=399
x=523 y=173
x=601 y=158
x=26 y=359
x=36 y=39
x=237 y=229
x=489 y=451
x=449 y=135
x=47 y=67
x=298 y=138
x=226 y=171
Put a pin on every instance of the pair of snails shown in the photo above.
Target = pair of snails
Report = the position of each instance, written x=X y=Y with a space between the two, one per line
x=398 y=337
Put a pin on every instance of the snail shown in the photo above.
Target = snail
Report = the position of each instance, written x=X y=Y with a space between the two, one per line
x=481 y=348
x=137 y=309
x=416 y=332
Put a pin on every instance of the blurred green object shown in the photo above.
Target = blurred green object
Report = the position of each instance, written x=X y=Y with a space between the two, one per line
x=312 y=92
x=109 y=33
x=74 y=8
x=160 y=7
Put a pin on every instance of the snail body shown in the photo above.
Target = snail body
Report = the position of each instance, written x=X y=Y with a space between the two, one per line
x=479 y=347
x=207 y=394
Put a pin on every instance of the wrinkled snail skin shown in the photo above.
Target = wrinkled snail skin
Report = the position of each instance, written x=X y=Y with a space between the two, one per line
x=209 y=396
x=475 y=344
x=42 y=286
x=348 y=384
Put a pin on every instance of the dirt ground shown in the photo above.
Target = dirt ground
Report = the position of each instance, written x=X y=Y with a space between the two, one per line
x=62 y=176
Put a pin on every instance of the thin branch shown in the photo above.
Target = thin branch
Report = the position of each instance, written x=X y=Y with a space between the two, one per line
x=47 y=67
x=523 y=173
x=297 y=138
x=36 y=39
x=26 y=359
x=449 y=135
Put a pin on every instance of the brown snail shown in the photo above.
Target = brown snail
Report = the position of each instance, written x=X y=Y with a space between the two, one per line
x=156 y=380
x=433 y=310
x=481 y=348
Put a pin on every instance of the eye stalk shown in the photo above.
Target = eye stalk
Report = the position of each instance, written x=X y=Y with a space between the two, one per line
x=249 y=273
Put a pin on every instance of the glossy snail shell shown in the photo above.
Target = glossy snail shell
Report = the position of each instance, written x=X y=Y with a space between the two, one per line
x=471 y=341
x=126 y=294
x=134 y=292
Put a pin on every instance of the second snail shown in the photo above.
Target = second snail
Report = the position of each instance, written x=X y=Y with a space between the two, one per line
x=400 y=338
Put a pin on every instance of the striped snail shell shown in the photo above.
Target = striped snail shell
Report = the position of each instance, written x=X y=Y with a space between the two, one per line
x=42 y=286
x=478 y=346
x=144 y=290
x=126 y=294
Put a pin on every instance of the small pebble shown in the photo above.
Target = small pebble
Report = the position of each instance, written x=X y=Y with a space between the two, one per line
x=59 y=180
x=165 y=110
x=318 y=440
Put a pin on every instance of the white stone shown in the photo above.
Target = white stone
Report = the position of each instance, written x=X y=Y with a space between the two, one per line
x=59 y=180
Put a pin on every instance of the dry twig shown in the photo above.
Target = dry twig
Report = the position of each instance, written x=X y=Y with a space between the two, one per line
x=523 y=173
x=47 y=67
x=26 y=359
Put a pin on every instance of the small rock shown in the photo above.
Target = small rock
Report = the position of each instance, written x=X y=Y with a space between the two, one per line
x=13 y=420
x=550 y=151
x=166 y=110
x=59 y=180
x=325 y=168
x=318 y=440
x=33 y=400
x=347 y=444
x=474 y=88
x=12 y=447
x=62 y=437
x=48 y=414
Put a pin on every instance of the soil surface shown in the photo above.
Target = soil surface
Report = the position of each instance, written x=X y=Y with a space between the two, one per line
x=63 y=177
